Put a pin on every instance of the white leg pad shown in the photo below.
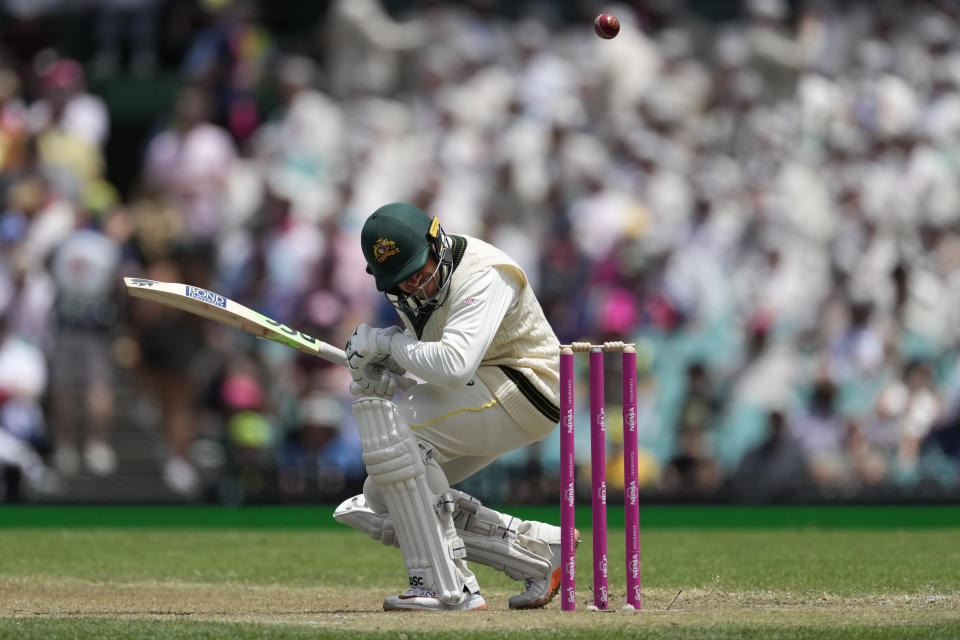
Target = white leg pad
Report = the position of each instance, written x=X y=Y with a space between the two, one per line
x=521 y=549
x=397 y=465
x=518 y=548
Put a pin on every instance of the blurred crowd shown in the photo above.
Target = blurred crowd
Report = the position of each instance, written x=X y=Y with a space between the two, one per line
x=767 y=203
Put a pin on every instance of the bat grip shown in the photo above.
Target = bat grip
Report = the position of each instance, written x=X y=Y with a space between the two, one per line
x=337 y=356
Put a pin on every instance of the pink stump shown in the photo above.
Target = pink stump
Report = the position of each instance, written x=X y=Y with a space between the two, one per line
x=631 y=487
x=568 y=478
x=598 y=466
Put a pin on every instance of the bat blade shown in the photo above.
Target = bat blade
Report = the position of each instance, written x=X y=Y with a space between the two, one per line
x=218 y=308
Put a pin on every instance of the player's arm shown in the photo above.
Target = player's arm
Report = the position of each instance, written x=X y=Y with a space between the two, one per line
x=472 y=323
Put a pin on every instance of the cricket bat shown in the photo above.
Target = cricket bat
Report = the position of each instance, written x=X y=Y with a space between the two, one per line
x=214 y=306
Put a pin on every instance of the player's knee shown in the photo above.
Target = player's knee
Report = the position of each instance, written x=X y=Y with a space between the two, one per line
x=374 y=497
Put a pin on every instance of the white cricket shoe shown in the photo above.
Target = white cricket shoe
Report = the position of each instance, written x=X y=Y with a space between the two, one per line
x=418 y=599
x=540 y=592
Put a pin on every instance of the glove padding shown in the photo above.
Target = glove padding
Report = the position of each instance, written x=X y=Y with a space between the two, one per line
x=373 y=380
x=370 y=345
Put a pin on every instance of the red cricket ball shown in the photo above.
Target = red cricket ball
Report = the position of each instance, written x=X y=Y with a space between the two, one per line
x=606 y=26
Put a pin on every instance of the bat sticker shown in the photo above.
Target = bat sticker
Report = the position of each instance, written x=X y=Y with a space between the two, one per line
x=207 y=296
x=287 y=330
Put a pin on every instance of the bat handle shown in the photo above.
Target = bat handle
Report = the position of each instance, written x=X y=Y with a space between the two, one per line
x=337 y=356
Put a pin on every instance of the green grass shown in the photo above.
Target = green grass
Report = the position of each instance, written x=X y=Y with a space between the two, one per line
x=230 y=582
x=807 y=562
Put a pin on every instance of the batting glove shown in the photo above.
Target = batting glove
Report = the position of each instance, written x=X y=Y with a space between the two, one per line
x=369 y=345
x=373 y=380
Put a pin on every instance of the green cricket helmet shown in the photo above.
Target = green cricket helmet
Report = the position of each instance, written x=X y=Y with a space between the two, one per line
x=396 y=239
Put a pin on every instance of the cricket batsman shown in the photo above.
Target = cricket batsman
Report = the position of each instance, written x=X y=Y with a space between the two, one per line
x=477 y=336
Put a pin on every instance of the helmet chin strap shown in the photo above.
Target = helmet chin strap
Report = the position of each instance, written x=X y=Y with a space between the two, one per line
x=416 y=302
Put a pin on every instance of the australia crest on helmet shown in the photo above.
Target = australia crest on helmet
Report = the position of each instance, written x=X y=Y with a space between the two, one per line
x=383 y=249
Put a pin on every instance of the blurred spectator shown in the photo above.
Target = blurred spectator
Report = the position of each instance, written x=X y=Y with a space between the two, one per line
x=13 y=125
x=692 y=472
x=23 y=438
x=85 y=268
x=564 y=272
x=770 y=370
x=858 y=350
x=773 y=49
x=775 y=469
x=291 y=250
x=66 y=105
x=188 y=163
x=364 y=44
x=169 y=343
x=321 y=451
x=700 y=406
x=23 y=382
x=71 y=128
x=26 y=295
x=865 y=459
x=228 y=58
x=819 y=431
x=301 y=144
x=945 y=437
x=907 y=409
x=47 y=218
x=249 y=430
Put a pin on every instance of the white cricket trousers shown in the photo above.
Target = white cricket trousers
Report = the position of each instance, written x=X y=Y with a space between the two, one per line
x=467 y=427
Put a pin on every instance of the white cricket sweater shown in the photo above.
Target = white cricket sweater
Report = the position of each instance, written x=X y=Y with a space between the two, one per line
x=490 y=326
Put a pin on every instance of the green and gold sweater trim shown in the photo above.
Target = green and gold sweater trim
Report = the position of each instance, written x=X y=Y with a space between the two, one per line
x=549 y=410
